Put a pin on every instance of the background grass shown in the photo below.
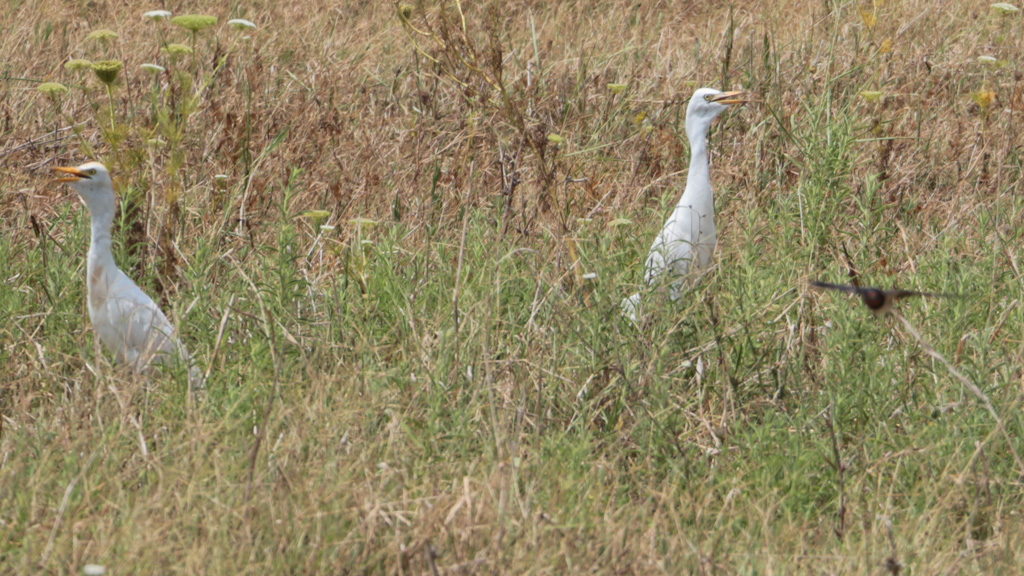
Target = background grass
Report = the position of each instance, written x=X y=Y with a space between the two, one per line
x=409 y=371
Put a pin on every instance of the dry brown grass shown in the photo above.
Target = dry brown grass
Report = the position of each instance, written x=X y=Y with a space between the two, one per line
x=359 y=421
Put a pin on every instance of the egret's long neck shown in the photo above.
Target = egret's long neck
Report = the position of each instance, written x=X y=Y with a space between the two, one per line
x=699 y=171
x=101 y=257
x=698 y=179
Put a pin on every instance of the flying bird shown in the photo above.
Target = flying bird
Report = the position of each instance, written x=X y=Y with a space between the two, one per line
x=878 y=300
x=688 y=237
x=129 y=323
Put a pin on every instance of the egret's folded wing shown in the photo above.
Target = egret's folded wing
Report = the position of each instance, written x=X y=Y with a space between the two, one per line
x=144 y=331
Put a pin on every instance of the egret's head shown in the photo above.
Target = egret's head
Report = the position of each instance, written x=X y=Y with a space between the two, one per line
x=708 y=103
x=92 y=182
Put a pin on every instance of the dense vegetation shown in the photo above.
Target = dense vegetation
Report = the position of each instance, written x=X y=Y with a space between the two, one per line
x=378 y=227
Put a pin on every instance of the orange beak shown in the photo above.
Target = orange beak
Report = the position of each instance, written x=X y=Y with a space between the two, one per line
x=75 y=173
x=737 y=97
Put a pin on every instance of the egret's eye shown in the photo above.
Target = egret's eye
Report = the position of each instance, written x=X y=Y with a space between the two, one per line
x=707 y=97
x=91 y=171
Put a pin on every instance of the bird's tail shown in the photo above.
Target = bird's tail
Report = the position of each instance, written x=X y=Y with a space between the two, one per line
x=631 y=307
x=195 y=379
x=196 y=382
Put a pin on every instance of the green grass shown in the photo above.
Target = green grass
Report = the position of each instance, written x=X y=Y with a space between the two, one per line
x=438 y=389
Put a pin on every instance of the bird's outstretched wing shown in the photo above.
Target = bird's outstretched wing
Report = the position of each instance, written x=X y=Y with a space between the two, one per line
x=840 y=287
x=901 y=294
x=878 y=300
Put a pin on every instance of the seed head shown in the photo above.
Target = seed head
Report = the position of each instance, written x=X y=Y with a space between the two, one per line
x=405 y=12
x=103 y=36
x=107 y=70
x=77 y=65
x=195 y=22
x=177 y=50
x=53 y=90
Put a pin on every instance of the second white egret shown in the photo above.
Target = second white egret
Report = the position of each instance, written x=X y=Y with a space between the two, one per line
x=129 y=323
x=687 y=241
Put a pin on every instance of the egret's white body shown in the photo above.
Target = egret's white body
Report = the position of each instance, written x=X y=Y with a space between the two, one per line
x=128 y=322
x=687 y=241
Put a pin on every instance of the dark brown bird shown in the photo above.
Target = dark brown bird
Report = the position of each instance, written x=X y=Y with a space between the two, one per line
x=878 y=300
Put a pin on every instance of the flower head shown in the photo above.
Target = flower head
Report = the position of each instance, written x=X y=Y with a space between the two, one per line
x=177 y=50
x=53 y=89
x=1004 y=8
x=77 y=65
x=241 y=24
x=405 y=12
x=984 y=98
x=871 y=95
x=195 y=22
x=155 y=15
x=102 y=35
x=618 y=88
x=107 y=70
x=990 y=61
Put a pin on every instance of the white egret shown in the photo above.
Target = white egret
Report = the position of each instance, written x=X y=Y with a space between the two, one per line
x=687 y=240
x=129 y=322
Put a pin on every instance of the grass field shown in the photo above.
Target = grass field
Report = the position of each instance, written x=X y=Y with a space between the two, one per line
x=376 y=224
